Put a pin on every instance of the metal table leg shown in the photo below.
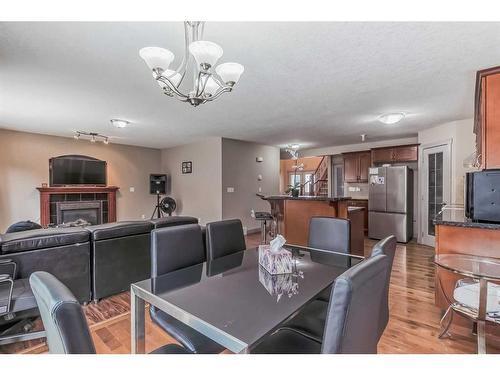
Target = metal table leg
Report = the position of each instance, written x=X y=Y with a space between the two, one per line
x=137 y=332
x=481 y=317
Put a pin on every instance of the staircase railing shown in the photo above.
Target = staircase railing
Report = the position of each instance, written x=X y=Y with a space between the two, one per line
x=321 y=177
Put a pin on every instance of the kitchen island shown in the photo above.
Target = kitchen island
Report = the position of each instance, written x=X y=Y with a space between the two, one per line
x=292 y=216
x=456 y=234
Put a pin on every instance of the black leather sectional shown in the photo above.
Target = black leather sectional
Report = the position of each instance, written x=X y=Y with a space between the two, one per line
x=94 y=262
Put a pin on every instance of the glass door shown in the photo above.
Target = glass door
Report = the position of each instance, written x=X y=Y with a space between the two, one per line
x=436 y=189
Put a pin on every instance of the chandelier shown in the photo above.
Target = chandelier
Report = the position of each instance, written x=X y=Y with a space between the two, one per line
x=209 y=81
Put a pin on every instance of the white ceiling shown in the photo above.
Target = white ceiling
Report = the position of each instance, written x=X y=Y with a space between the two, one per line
x=319 y=84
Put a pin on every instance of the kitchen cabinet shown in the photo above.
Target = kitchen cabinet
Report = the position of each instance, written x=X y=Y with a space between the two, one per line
x=487 y=118
x=356 y=165
x=395 y=154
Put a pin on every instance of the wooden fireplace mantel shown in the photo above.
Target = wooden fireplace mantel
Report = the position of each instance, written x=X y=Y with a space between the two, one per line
x=46 y=192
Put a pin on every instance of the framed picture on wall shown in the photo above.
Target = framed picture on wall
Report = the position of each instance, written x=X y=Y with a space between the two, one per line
x=187 y=167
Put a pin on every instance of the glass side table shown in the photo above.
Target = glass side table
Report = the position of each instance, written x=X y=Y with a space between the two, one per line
x=471 y=300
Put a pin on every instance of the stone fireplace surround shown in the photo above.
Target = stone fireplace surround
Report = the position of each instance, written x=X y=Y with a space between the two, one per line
x=52 y=197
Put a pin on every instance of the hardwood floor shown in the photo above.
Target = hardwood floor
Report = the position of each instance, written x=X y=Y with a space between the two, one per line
x=413 y=325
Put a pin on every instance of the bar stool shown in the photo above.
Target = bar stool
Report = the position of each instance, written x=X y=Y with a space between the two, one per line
x=263 y=217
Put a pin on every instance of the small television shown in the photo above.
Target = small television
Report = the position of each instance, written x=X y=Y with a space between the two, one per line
x=77 y=170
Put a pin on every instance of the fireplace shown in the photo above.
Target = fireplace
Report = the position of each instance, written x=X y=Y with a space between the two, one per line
x=61 y=204
x=71 y=211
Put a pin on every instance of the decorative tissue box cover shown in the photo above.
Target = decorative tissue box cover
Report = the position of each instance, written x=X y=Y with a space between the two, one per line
x=278 y=285
x=275 y=263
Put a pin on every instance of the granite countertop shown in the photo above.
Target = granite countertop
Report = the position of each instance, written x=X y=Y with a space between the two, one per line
x=456 y=217
x=304 y=198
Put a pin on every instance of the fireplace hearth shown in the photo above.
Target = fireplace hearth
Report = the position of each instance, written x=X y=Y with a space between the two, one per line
x=89 y=211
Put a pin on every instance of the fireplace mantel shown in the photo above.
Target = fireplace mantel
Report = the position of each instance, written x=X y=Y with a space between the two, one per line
x=46 y=192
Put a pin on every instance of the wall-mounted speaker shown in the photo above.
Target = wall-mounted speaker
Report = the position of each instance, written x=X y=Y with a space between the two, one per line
x=158 y=184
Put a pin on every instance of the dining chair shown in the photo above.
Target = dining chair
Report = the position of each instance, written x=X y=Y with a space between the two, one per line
x=64 y=321
x=18 y=308
x=353 y=317
x=174 y=248
x=331 y=234
x=311 y=319
x=224 y=238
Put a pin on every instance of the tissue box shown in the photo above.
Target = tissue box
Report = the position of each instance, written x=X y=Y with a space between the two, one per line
x=278 y=285
x=275 y=263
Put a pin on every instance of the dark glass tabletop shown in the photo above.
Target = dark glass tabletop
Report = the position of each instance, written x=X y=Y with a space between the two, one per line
x=234 y=301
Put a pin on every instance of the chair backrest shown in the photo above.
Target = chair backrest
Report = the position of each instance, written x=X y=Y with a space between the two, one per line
x=387 y=247
x=173 y=248
x=62 y=316
x=330 y=233
x=352 y=322
x=224 y=238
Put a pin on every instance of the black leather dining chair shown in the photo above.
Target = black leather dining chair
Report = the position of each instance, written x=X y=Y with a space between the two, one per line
x=331 y=234
x=64 y=321
x=224 y=238
x=386 y=246
x=174 y=248
x=310 y=321
x=352 y=322
x=18 y=308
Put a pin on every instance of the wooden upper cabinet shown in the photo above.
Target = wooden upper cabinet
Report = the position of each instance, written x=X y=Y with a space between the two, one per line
x=356 y=165
x=487 y=118
x=365 y=162
x=397 y=154
x=350 y=168
x=382 y=155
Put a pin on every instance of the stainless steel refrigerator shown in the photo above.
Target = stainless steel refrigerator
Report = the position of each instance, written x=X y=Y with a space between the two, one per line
x=390 y=203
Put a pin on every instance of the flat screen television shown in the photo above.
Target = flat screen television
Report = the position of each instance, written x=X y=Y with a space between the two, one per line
x=77 y=170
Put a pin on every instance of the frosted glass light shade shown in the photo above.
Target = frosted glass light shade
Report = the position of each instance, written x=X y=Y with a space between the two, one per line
x=205 y=52
x=391 y=118
x=230 y=72
x=156 y=57
x=174 y=77
x=211 y=87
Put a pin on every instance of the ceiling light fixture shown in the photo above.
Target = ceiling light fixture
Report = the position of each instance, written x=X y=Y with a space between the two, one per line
x=117 y=123
x=92 y=137
x=209 y=81
x=391 y=118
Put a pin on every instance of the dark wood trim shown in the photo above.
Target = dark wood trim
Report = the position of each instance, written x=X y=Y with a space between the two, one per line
x=45 y=193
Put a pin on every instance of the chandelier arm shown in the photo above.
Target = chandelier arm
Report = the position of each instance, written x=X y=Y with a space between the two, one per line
x=219 y=81
x=185 y=58
x=218 y=93
x=198 y=82
x=208 y=75
x=171 y=86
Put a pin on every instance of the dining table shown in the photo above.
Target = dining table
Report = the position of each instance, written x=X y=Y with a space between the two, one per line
x=233 y=300
x=480 y=271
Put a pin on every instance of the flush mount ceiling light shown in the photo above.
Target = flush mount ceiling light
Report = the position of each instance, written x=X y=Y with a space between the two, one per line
x=209 y=81
x=294 y=146
x=92 y=137
x=391 y=118
x=119 y=123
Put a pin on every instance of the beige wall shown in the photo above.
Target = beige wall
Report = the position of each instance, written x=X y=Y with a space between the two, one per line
x=197 y=194
x=24 y=165
x=240 y=171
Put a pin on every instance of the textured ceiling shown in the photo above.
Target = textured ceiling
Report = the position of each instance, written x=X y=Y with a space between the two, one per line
x=319 y=84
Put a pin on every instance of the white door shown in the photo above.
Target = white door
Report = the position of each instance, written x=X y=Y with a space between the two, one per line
x=436 y=188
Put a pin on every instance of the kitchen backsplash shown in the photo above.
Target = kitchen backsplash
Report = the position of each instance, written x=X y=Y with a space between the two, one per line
x=356 y=190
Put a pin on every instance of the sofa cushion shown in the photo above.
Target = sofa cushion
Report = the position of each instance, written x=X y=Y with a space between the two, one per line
x=170 y=221
x=119 y=229
x=41 y=239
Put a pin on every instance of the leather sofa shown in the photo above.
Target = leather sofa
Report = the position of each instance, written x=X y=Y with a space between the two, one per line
x=63 y=252
x=121 y=255
x=94 y=262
